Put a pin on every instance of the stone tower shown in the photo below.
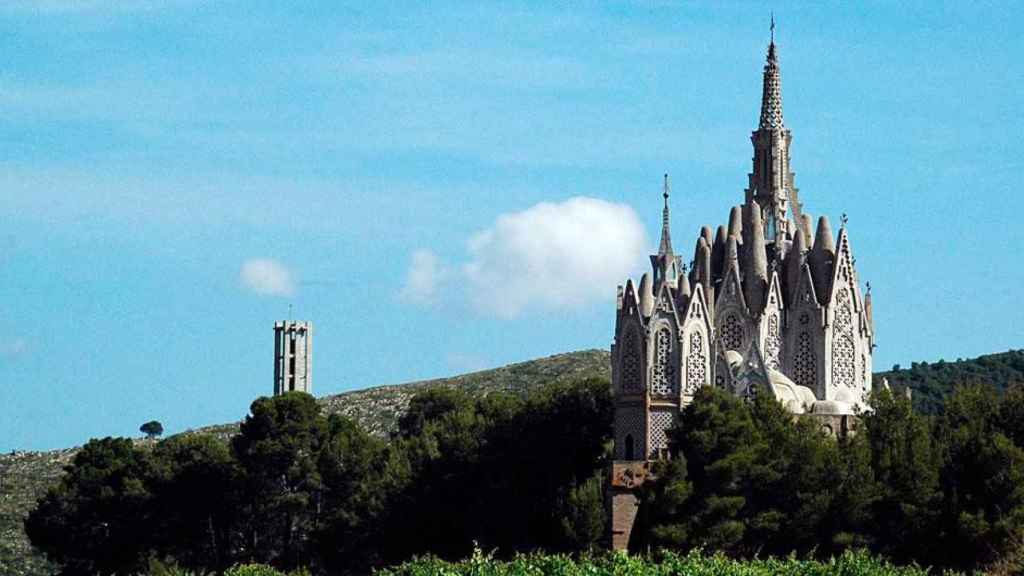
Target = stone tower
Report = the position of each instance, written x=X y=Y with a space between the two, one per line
x=293 y=357
x=770 y=305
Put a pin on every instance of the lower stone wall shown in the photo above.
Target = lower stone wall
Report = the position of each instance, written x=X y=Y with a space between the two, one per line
x=622 y=501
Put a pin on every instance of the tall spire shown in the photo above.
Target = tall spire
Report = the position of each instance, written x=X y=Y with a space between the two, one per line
x=666 y=238
x=771 y=184
x=771 y=95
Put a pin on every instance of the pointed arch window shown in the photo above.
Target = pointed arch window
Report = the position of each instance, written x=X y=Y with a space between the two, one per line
x=662 y=374
x=696 y=363
x=769 y=226
x=844 y=351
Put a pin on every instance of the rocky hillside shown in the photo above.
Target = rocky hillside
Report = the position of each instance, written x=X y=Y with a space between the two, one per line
x=378 y=409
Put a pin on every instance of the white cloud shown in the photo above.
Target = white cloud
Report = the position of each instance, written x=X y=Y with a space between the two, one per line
x=553 y=256
x=423 y=279
x=267 y=277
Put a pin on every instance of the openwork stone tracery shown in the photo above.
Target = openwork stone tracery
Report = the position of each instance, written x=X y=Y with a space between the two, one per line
x=661 y=376
x=732 y=333
x=772 y=343
x=805 y=364
x=844 y=351
x=696 y=363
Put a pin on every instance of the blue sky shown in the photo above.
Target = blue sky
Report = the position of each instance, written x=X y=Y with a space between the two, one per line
x=442 y=187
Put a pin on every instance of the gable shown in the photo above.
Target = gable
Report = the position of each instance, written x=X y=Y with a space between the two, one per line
x=732 y=290
x=844 y=275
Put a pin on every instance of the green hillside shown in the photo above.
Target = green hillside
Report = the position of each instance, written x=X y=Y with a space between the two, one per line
x=24 y=476
x=931 y=383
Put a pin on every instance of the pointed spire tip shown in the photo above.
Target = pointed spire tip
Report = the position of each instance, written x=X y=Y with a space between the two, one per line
x=666 y=237
x=771 y=97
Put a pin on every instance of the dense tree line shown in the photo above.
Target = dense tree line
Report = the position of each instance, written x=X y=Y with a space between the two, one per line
x=295 y=488
x=747 y=479
x=933 y=382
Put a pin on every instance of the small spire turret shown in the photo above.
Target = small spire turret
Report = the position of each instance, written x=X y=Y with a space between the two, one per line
x=718 y=253
x=756 y=270
x=646 y=296
x=822 y=259
x=702 y=266
x=793 y=265
x=736 y=223
x=666 y=237
x=665 y=263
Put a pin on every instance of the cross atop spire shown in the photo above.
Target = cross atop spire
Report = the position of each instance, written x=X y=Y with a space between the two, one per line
x=666 y=238
x=771 y=96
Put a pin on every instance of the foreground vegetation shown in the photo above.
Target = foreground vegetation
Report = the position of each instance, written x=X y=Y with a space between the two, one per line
x=667 y=564
x=664 y=563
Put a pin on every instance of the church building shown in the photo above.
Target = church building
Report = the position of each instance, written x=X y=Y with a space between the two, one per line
x=770 y=304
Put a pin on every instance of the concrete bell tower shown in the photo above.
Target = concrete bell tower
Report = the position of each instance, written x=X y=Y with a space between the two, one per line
x=293 y=357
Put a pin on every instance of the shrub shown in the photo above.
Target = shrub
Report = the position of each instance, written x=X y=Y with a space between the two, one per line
x=252 y=570
x=695 y=563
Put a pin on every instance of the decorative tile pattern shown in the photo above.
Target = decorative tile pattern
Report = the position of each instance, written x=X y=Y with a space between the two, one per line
x=771 y=97
x=661 y=421
x=629 y=422
x=632 y=378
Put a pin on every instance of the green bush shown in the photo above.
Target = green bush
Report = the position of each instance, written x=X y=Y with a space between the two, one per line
x=262 y=570
x=252 y=570
x=663 y=564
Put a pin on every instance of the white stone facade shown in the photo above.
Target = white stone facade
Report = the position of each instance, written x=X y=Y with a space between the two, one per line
x=768 y=304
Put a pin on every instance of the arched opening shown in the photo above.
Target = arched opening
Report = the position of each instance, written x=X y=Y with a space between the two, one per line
x=628 y=448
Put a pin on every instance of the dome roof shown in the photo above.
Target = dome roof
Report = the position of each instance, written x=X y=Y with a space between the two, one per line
x=832 y=407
